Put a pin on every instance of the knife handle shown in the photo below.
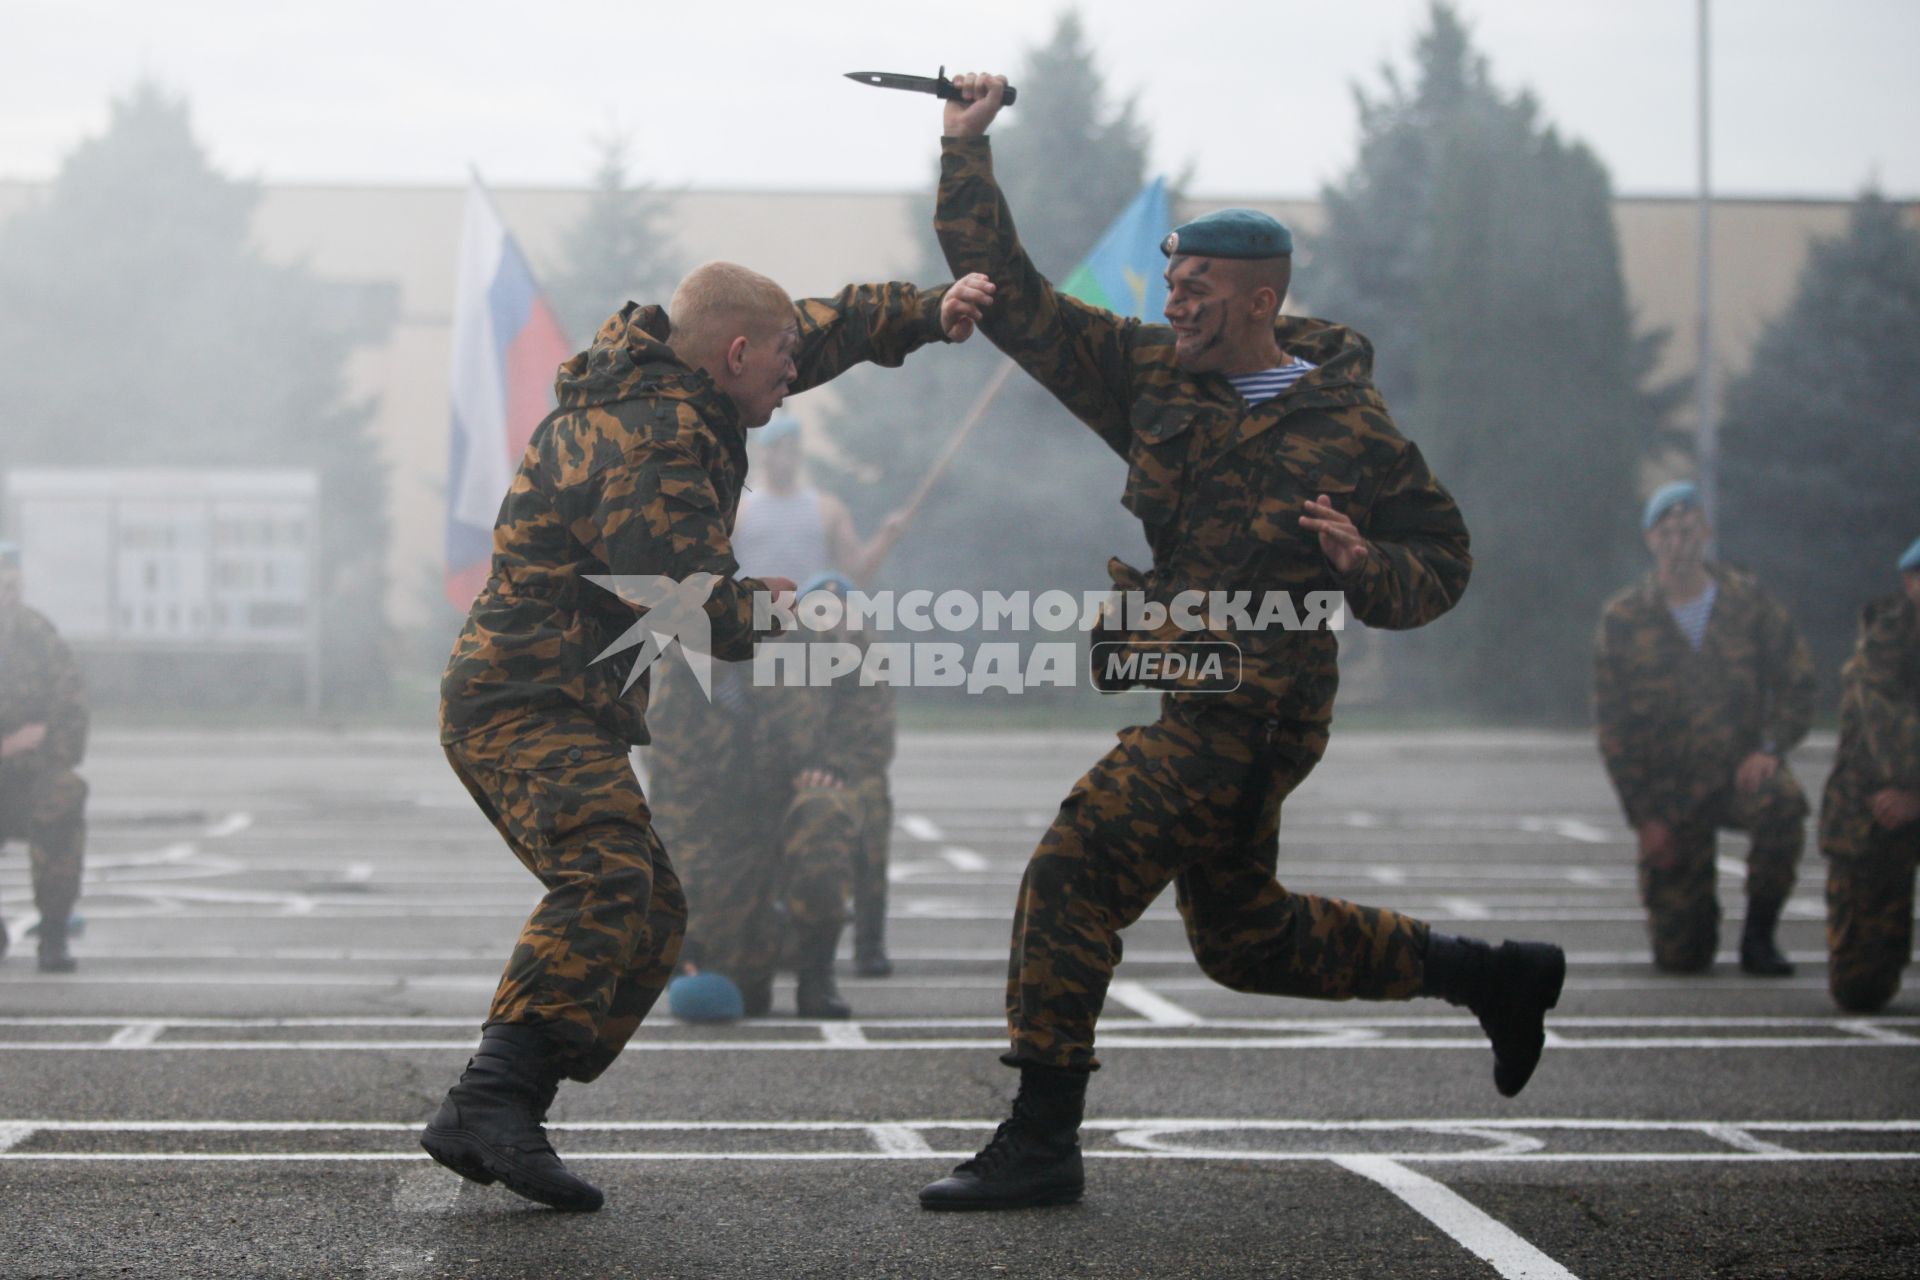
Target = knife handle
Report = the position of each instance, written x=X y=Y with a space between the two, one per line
x=948 y=92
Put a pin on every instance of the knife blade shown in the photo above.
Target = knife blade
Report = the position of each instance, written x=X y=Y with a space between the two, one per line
x=939 y=86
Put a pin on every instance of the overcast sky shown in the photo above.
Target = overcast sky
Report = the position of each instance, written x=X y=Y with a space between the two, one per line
x=1255 y=95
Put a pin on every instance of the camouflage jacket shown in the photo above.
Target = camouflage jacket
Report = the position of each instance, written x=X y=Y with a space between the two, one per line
x=1879 y=726
x=638 y=471
x=727 y=765
x=1675 y=724
x=1219 y=486
x=40 y=683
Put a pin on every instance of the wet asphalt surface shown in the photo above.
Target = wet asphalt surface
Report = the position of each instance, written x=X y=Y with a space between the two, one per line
x=291 y=939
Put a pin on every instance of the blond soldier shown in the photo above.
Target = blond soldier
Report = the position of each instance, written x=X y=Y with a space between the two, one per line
x=636 y=474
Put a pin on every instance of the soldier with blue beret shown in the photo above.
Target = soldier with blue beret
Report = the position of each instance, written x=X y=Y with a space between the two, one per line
x=1870 y=812
x=1702 y=684
x=1257 y=451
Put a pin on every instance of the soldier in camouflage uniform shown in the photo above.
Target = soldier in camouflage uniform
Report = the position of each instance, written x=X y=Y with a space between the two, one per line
x=637 y=473
x=768 y=863
x=1308 y=489
x=1870 y=814
x=1702 y=684
x=43 y=735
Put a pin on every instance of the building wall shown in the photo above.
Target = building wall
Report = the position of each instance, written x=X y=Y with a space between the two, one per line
x=814 y=242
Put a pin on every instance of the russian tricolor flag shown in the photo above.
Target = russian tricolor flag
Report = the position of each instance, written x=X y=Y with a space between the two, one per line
x=506 y=346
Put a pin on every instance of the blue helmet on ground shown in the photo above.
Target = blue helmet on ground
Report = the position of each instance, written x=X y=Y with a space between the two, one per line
x=705 y=997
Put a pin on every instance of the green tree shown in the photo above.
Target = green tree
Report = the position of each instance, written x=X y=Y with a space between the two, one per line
x=140 y=327
x=1033 y=499
x=1476 y=248
x=618 y=250
x=1820 y=442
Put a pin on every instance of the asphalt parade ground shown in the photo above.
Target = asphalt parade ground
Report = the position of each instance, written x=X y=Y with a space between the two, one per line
x=291 y=939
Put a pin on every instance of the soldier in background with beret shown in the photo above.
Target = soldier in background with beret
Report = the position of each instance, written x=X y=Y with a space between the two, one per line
x=1870 y=814
x=1260 y=459
x=1702 y=684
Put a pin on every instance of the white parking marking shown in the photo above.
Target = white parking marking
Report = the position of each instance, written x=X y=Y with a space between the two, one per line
x=899 y=1140
x=1155 y=1008
x=231 y=825
x=12 y=1135
x=843 y=1035
x=1487 y=1238
x=963 y=859
x=1431 y=1141
x=137 y=1035
x=1740 y=1140
x=920 y=828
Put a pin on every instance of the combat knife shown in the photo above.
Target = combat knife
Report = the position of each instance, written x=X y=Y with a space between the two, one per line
x=939 y=86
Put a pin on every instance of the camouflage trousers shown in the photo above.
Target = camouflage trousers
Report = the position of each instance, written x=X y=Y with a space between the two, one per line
x=1870 y=920
x=1192 y=800
x=48 y=809
x=756 y=892
x=600 y=947
x=1683 y=913
x=870 y=859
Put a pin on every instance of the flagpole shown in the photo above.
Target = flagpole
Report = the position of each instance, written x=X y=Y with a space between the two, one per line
x=974 y=414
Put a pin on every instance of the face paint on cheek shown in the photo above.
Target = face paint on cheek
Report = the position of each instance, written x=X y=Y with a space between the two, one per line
x=1202 y=316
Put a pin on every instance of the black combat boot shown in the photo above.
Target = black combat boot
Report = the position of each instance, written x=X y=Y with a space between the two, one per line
x=870 y=933
x=54 y=956
x=817 y=996
x=756 y=995
x=489 y=1127
x=1758 y=954
x=1508 y=990
x=1034 y=1158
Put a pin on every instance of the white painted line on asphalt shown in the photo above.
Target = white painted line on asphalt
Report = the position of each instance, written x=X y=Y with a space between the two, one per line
x=1327 y=1036
x=137 y=1035
x=1486 y=1237
x=843 y=1035
x=1732 y=868
x=1152 y=1006
x=1569 y=829
x=899 y=1140
x=920 y=828
x=963 y=859
x=12 y=1135
x=231 y=825
x=1886 y=1025
x=1386 y=875
x=1874 y=1031
x=1465 y=908
x=1740 y=1140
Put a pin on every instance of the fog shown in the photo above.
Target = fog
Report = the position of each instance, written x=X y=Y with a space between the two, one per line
x=231 y=311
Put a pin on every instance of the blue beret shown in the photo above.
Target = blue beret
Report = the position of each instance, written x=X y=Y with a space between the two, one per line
x=10 y=554
x=705 y=997
x=1911 y=560
x=1230 y=233
x=825 y=578
x=1681 y=493
x=779 y=429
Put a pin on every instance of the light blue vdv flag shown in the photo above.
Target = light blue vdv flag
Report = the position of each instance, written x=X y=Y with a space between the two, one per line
x=1125 y=273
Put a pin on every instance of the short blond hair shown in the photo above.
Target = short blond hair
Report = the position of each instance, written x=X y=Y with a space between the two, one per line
x=720 y=301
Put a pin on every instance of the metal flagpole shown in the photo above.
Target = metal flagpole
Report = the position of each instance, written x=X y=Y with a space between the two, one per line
x=1707 y=429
